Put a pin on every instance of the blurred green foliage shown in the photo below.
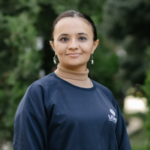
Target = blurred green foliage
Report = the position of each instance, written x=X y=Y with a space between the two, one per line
x=147 y=91
x=19 y=60
x=127 y=24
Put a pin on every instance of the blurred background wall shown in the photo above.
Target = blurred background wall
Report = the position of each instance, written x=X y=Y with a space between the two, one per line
x=122 y=60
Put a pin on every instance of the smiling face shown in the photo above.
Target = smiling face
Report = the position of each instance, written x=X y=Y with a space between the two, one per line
x=73 y=43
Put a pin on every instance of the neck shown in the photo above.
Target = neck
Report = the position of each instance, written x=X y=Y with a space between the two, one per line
x=70 y=74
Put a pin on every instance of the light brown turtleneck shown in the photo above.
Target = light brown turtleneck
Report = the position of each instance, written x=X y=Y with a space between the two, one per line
x=77 y=78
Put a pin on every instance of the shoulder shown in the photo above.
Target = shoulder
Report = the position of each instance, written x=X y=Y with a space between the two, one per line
x=47 y=83
x=50 y=78
x=40 y=91
x=106 y=92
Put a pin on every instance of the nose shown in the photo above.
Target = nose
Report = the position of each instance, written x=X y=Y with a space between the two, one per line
x=73 y=45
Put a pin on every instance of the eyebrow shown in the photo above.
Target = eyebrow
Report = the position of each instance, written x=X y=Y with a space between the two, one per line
x=82 y=33
x=64 y=34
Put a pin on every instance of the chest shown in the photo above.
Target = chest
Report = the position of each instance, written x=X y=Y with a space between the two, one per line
x=75 y=107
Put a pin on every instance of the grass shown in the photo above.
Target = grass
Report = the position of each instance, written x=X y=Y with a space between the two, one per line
x=139 y=140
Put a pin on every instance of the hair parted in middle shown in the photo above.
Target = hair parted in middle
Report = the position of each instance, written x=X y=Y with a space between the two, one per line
x=73 y=13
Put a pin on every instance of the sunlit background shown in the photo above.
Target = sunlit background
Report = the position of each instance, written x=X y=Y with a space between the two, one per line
x=121 y=62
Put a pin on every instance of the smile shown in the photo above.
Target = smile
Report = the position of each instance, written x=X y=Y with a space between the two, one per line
x=74 y=54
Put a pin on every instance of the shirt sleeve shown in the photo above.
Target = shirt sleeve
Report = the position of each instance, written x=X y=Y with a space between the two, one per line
x=121 y=133
x=30 y=124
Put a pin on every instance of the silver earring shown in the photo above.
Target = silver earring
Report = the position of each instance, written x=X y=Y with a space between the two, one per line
x=55 y=60
x=91 y=59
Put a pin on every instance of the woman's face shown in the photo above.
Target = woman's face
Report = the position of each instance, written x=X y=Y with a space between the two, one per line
x=73 y=43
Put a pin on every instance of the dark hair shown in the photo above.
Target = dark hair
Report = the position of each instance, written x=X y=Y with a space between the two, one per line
x=73 y=13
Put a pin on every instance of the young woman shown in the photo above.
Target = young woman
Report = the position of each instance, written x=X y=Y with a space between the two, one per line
x=66 y=110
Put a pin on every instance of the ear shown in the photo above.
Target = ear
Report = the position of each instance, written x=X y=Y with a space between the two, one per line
x=95 y=45
x=52 y=45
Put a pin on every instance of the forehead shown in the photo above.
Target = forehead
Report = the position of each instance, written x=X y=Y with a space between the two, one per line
x=76 y=24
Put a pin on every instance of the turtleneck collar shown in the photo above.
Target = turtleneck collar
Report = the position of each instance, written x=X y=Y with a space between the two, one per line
x=69 y=74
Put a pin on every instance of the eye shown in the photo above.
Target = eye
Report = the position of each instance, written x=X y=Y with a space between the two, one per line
x=64 y=39
x=82 y=38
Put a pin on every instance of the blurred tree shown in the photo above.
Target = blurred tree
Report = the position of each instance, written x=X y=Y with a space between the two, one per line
x=19 y=63
x=43 y=26
x=146 y=88
x=127 y=23
x=20 y=59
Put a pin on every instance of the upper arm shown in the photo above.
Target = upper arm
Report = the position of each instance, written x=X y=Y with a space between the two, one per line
x=30 y=124
x=121 y=132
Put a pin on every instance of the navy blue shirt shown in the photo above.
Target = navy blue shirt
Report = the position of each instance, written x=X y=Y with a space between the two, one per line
x=56 y=115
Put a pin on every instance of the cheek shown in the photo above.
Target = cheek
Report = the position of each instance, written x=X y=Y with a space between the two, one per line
x=60 y=49
x=60 y=52
x=88 y=48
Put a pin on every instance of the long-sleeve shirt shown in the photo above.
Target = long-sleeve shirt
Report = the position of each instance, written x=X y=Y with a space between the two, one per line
x=57 y=115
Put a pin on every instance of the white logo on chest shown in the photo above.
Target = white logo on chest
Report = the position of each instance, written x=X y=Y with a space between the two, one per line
x=112 y=117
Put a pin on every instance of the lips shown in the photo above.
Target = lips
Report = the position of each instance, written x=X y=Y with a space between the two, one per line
x=74 y=54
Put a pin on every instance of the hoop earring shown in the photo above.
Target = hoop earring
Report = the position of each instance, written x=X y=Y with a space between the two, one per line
x=91 y=59
x=55 y=60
